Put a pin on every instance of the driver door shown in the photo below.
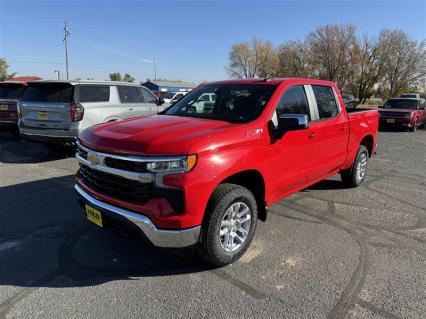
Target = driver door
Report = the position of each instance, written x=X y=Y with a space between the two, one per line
x=295 y=153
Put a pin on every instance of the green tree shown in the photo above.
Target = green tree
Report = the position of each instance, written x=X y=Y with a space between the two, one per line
x=128 y=78
x=116 y=76
x=4 y=69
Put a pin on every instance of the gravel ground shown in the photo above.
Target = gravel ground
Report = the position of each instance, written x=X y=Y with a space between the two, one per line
x=324 y=252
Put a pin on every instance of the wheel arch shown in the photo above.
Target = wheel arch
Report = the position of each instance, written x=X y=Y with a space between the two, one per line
x=254 y=181
x=368 y=142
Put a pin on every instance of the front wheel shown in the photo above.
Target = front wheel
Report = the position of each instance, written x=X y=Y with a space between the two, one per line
x=414 y=128
x=229 y=225
x=355 y=175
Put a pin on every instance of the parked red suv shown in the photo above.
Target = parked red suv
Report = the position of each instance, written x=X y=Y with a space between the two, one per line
x=204 y=178
x=405 y=113
x=10 y=94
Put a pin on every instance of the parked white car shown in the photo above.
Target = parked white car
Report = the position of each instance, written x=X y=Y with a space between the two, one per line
x=203 y=104
x=58 y=111
x=176 y=97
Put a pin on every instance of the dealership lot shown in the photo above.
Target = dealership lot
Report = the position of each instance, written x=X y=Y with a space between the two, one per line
x=326 y=251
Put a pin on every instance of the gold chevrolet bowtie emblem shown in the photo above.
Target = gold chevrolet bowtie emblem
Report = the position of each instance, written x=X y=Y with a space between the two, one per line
x=93 y=159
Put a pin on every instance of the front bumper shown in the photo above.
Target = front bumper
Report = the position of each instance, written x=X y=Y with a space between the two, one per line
x=159 y=237
x=397 y=122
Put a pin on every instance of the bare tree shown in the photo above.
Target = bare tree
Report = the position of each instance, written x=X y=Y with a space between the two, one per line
x=242 y=61
x=405 y=61
x=267 y=58
x=293 y=60
x=330 y=51
x=249 y=60
x=368 y=67
x=361 y=66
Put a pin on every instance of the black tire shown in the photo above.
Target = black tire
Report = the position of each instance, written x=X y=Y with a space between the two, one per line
x=414 y=128
x=210 y=246
x=351 y=176
x=191 y=110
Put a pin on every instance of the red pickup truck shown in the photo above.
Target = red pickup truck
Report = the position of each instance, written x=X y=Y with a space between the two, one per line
x=10 y=94
x=204 y=178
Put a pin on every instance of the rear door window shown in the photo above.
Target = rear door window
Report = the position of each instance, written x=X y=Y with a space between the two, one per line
x=129 y=94
x=94 y=93
x=11 y=91
x=326 y=102
x=294 y=101
x=49 y=92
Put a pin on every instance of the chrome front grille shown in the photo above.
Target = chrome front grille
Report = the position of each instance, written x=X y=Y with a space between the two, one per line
x=116 y=186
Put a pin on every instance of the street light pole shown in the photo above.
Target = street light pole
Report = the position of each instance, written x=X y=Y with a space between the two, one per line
x=66 y=34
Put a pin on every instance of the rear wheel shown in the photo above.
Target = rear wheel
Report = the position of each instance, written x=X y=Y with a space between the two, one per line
x=229 y=224
x=355 y=175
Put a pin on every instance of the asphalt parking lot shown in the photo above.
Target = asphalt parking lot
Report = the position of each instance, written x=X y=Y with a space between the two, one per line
x=324 y=252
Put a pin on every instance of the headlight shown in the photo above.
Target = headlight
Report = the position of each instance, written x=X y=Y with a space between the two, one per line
x=182 y=164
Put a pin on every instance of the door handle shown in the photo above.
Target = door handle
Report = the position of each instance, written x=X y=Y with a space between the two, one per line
x=130 y=109
x=312 y=135
x=343 y=128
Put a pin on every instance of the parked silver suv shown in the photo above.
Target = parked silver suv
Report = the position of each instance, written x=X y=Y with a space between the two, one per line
x=57 y=111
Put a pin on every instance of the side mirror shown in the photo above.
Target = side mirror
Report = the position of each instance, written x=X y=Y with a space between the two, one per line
x=160 y=101
x=291 y=122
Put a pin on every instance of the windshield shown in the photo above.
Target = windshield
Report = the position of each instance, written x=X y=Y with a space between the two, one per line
x=49 y=92
x=11 y=91
x=401 y=104
x=237 y=103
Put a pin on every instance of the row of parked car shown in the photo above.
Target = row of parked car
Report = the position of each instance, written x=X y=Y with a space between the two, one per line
x=58 y=111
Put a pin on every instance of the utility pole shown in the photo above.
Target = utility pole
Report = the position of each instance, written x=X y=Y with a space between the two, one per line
x=155 y=70
x=66 y=34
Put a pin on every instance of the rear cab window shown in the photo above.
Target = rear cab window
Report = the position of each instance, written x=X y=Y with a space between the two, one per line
x=94 y=93
x=11 y=91
x=49 y=92
x=326 y=101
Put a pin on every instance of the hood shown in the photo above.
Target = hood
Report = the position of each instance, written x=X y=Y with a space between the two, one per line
x=152 y=135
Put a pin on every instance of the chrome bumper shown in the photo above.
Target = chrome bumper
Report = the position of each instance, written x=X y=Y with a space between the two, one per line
x=159 y=237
